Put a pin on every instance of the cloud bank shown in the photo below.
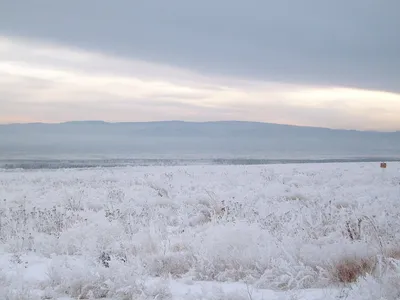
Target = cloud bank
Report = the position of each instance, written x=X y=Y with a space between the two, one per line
x=45 y=82
x=340 y=43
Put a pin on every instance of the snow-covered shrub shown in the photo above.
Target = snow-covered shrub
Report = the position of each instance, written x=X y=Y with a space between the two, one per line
x=77 y=278
x=271 y=227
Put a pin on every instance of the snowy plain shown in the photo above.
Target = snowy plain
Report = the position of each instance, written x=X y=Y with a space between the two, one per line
x=201 y=232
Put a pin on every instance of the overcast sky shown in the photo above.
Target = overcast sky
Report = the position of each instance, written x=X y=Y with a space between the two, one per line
x=320 y=63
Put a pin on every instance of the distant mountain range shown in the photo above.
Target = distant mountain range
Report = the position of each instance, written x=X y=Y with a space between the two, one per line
x=177 y=139
x=173 y=127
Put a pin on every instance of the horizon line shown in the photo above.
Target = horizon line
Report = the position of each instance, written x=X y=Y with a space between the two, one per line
x=194 y=122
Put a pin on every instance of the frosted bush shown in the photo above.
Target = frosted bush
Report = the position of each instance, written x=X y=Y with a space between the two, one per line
x=76 y=278
x=232 y=252
x=386 y=287
x=175 y=264
x=282 y=274
x=271 y=227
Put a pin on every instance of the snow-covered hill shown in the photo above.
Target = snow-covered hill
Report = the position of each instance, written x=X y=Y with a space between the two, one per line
x=179 y=140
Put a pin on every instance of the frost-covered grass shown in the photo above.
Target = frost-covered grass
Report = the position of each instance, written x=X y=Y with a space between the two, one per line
x=201 y=232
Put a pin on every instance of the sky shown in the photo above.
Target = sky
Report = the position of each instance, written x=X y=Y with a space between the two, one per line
x=318 y=63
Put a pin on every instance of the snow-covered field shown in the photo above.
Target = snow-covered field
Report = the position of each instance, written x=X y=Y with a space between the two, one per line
x=313 y=231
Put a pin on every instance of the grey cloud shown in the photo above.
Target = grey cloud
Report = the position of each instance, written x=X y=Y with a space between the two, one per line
x=351 y=43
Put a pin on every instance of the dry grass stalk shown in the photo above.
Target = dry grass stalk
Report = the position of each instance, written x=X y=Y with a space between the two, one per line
x=350 y=270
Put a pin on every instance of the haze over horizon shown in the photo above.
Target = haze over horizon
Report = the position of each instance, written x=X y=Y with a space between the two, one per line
x=333 y=65
x=191 y=140
x=229 y=122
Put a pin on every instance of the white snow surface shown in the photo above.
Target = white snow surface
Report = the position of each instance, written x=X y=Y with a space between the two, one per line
x=199 y=232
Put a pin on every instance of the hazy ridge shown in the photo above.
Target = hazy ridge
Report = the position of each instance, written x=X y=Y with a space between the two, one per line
x=211 y=142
